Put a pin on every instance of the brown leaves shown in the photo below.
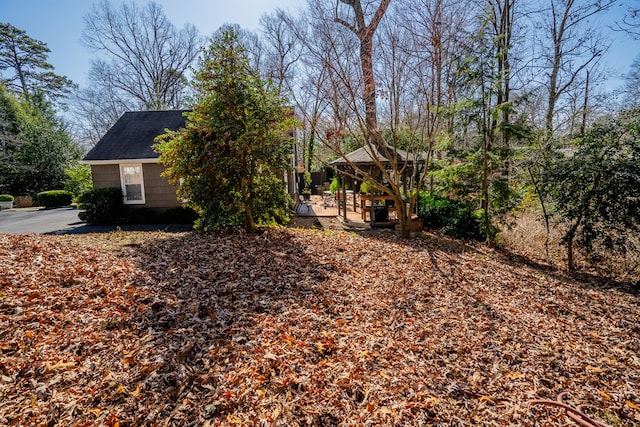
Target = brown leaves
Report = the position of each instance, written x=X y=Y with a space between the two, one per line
x=302 y=328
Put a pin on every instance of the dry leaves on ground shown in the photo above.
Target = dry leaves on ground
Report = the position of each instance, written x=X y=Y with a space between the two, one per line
x=299 y=327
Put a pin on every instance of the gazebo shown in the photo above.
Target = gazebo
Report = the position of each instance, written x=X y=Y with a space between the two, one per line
x=369 y=158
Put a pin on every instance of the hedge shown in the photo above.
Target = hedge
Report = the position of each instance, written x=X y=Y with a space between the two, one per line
x=54 y=198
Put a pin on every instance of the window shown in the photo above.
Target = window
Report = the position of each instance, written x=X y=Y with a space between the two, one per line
x=132 y=184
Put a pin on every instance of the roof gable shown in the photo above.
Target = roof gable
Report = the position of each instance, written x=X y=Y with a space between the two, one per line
x=132 y=136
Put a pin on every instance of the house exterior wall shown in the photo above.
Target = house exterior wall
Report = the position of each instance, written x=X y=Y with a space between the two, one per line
x=104 y=176
x=159 y=194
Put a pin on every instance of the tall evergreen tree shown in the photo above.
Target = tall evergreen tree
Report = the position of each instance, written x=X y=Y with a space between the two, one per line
x=10 y=140
x=230 y=158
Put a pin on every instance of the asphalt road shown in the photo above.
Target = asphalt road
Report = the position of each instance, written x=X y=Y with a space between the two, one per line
x=64 y=221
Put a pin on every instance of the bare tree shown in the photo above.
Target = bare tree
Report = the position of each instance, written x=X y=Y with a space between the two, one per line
x=353 y=94
x=94 y=111
x=143 y=55
x=631 y=86
x=254 y=46
x=575 y=45
x=437 y=30
x=283 y=49
x=398 y=169
x=325 y=54
x=630 y=22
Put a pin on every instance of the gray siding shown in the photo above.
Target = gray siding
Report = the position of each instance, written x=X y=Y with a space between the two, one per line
x=104 y=176
x=159 y=194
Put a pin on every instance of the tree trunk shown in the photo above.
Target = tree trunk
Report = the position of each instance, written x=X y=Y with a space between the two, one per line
x=485 y=187
x=569 y=242
x=404 y=217
x=369 y=94
x=585 y=107
x=312 y=139
x=543 y=205
x=251 y=223
x=19 y=71
x=570 y=265
x=245 y=188
x=558 y=37
x=365 y=35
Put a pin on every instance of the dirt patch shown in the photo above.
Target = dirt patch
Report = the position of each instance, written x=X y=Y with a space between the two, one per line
x=305 y=222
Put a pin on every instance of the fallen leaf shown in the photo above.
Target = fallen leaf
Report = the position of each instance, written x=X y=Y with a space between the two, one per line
x=60 y=366
x=632 y=405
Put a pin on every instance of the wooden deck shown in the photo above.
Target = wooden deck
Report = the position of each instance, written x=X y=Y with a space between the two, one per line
x=319 y=206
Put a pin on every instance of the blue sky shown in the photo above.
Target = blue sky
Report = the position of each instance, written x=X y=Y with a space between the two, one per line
x=59 y=23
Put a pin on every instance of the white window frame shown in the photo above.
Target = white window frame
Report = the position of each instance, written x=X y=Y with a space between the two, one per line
x=126 y=201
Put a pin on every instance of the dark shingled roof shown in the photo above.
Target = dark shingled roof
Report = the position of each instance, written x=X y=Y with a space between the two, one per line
x=132 y=136
x=364 y=156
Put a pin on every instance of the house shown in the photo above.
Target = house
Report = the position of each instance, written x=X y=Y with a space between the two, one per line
x=124 y=158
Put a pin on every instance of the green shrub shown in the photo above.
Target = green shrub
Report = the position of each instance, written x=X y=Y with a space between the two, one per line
x=78 y=179
x=451 y=217
x=102 y=206
x=54 y=198
x=6 y=198
x=335 y=185
x=436 y=212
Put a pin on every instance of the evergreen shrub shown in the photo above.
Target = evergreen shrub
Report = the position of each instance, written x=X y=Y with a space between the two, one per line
x=102 y=206
x=54 y=198
x=452 y=217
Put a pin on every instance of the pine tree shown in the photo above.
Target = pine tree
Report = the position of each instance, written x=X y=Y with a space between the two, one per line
x=25 y=61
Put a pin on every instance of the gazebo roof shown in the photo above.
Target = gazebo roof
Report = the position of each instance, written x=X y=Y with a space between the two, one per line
x=366 y=156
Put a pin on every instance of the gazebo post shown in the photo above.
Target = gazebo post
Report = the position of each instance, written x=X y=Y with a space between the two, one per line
x=338 y=199
x=344 y=197
x=355 y=184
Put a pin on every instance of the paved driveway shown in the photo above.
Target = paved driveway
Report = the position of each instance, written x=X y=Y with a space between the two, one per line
x=64 y=221
x=39 y=220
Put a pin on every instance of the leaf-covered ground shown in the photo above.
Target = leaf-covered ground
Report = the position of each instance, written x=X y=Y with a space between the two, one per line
x=298 y=327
